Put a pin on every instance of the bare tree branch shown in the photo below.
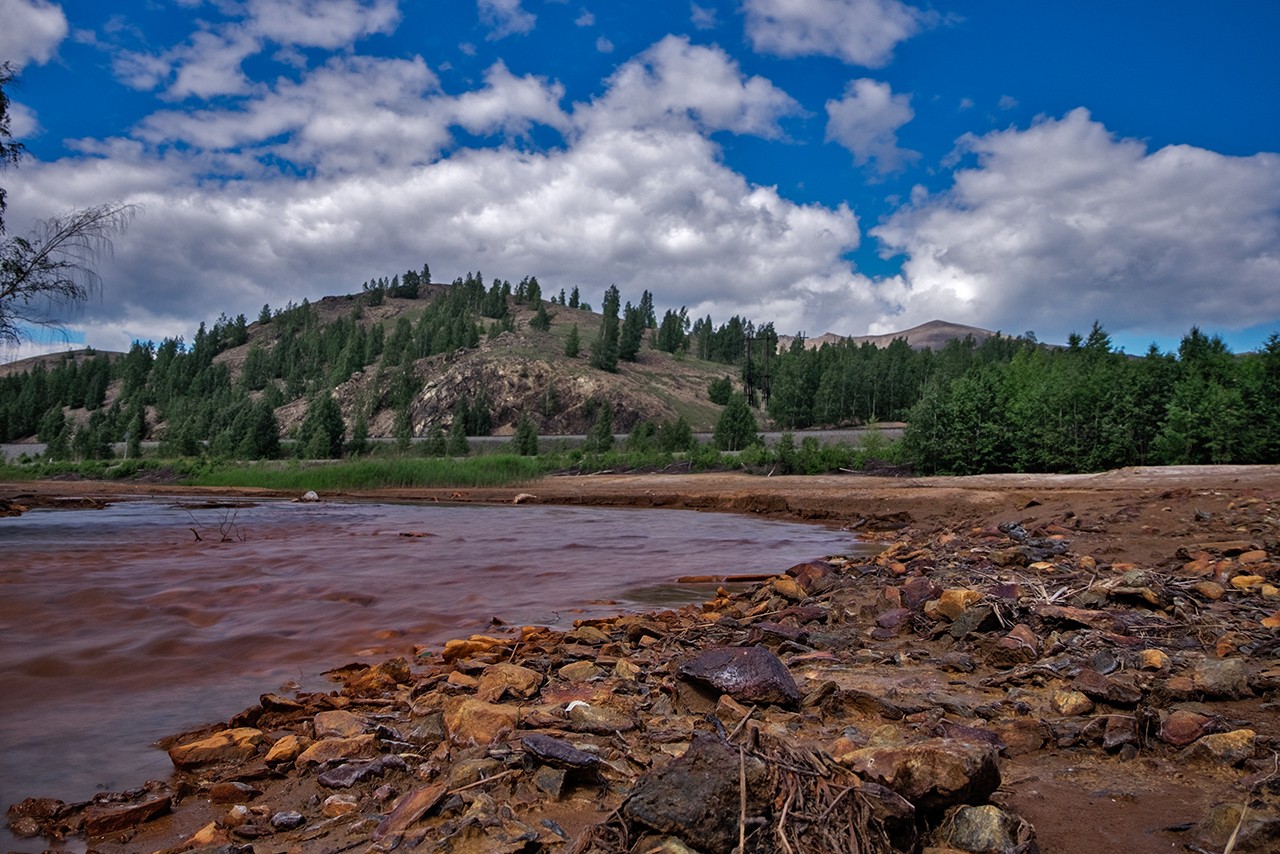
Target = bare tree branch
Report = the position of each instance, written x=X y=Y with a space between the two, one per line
x=52 y=270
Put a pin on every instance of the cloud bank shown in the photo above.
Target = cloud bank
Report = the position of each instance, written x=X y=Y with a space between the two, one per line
x=1064 y=220
x=352 y=166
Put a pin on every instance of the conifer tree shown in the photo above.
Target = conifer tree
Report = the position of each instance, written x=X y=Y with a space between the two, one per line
x=458 y=446
x=632 y=334
x=437 y=445
x=737 y=426
x=540 y=321
x=322 y=429
x=604 y=352
x=525 y=440
x=600 y=437
x=359 y=443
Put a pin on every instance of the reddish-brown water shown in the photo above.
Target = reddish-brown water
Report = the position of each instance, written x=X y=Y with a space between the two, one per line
x=118 y=626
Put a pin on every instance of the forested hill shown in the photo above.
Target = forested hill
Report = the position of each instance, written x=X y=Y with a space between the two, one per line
x=933 y=335
x=405 y=358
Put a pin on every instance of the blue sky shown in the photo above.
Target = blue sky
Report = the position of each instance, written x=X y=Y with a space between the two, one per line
x=831 y=165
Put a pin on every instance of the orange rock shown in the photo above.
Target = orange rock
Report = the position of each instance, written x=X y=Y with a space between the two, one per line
x=458 y=679
x=455 y=649
x=499 y=679
x=1153 y=659
x=787 y=587
x=952 y=603
x=1199 y=566
x=287 y=749
x=339 y=723
x=232 y=745
x=330 y=749
x=1211 y=590
x=472 y=721
x=1067 y=702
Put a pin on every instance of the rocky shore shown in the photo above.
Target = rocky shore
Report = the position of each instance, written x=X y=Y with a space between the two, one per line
x=1033 y=664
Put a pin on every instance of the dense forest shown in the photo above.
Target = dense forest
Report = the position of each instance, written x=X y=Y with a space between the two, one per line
x=1012 y=404
x=1000 y=404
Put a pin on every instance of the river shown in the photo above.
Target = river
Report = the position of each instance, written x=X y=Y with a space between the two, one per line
x=123 y=625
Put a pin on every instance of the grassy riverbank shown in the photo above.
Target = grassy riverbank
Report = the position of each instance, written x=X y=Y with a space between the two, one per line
x=388 y=467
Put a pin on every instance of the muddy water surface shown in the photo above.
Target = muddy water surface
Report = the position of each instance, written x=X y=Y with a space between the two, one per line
x=119 y=626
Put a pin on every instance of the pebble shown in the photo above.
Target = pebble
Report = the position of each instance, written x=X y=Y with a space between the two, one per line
x=288 y=820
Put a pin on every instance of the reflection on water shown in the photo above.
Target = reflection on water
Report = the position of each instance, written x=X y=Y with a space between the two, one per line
x=119 y=626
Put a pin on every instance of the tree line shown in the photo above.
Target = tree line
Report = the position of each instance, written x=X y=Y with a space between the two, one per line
x=999 y=404
x=1087 y=407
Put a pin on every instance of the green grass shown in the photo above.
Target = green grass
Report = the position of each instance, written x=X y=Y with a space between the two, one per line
x=390 y=468
x=484 y=470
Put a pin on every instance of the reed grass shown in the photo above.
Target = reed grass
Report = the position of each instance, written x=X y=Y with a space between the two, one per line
x=485 y=470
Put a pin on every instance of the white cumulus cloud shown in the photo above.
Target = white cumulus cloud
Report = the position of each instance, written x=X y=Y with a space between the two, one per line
x=635 y=194
x=30 y=31
x=1063 y=223
x=328 y=24
x=678 y=83
x=505 y=18
x=210 y=62
x=859 y=32
x=866 y=121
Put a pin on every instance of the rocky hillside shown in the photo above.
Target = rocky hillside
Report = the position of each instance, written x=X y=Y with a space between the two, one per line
x=520 y=371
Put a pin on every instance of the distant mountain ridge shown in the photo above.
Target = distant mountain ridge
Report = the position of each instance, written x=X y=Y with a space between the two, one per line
x=79 y=354
x=933 y=335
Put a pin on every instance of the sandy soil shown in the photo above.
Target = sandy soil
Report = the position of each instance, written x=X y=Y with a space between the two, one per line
x=1148 y=517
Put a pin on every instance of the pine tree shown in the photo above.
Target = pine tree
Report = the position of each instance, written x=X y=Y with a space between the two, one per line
x=720 y=390
x=437 y=445
x=573 y=344
x=632 y=334
x=604 y=352
x=261 y=440
x=359 y=443
x=525 y=440
x=737 y=426
x=59 y=447
x=458 y=446
x=402 y=429
x=322 y=429
x=600 y=437
x=676 y=435
x=540 y=321
x=135 y=434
